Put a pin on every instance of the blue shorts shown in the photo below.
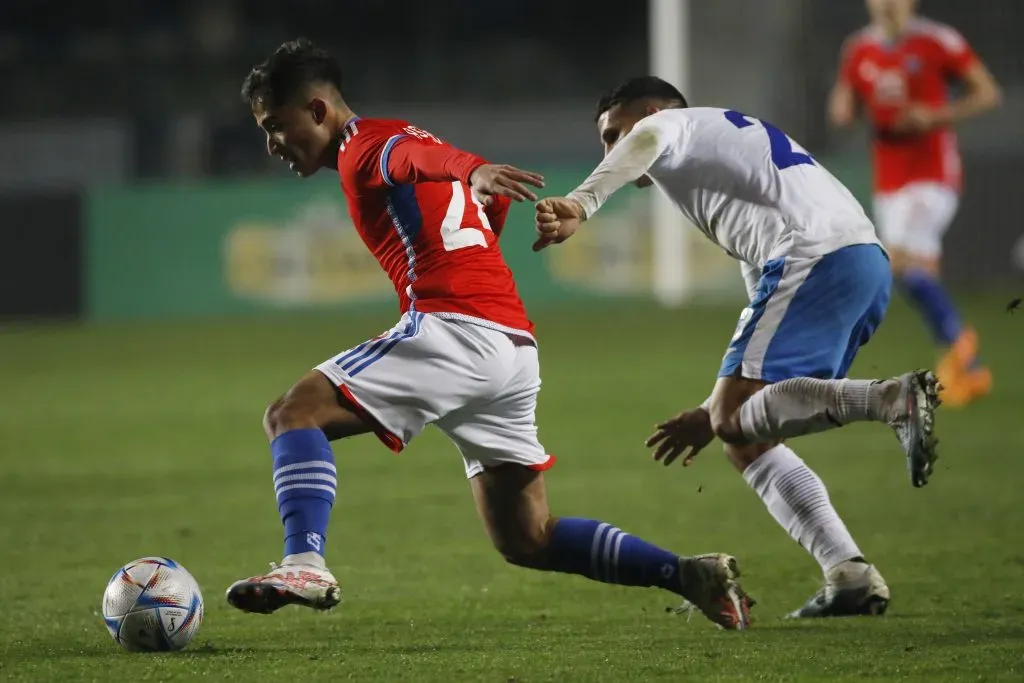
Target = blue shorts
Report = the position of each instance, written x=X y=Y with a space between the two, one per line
x=810 y=316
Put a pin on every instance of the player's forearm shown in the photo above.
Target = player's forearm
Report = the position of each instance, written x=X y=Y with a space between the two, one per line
x=970 y=105
x=414 y=163
x=628 y=161
x=842 y=106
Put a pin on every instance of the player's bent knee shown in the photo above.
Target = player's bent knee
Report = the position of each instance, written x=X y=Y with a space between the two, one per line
x=313 y=403
x=284 y=415
x=270 y=419
x=897 y=260
x=301 y=407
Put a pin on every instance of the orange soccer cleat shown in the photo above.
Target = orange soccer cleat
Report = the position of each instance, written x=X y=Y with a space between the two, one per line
x=962 y=380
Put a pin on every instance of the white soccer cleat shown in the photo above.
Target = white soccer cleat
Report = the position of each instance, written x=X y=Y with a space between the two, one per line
x=914 y=422
x=710 y=586
x=851 y=589
x=287 y=584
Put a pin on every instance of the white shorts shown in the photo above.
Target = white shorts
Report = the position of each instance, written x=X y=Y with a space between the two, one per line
x=915 y=217
x=478 y=385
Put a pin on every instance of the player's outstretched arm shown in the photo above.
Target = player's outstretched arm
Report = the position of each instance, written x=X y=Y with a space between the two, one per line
x=627 y=162
x=558 y=218
x=413 y=160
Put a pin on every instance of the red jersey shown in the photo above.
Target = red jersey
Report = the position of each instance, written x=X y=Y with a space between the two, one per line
x=409 y=197
x=916 y=69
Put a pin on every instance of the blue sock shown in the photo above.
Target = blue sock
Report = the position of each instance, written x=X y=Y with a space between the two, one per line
x=931 y=299
x=305 y=481
x=604 y=553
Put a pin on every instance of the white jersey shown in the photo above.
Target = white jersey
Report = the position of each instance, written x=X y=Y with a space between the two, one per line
x=742 y=182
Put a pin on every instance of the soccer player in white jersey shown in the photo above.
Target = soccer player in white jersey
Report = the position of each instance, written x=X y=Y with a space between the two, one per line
x=819 y=283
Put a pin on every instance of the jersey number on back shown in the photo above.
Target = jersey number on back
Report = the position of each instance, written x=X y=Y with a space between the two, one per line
x=453 y=235
x=783 y=155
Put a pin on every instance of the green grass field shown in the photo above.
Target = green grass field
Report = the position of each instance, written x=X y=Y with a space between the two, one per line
x=128 y=440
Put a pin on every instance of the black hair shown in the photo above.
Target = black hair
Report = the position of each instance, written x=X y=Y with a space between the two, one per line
x=294 y=65
x=637 y=89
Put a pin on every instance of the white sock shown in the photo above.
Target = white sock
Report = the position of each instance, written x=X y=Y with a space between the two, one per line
x=309 y=558
x=795 y=407
x=798 y=501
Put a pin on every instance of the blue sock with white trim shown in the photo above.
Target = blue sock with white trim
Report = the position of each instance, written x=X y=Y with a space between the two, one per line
x=604 y=553
x=934 y=303
x=305 y=481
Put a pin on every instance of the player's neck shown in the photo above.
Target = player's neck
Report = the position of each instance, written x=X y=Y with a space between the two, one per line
x=894 y=30
x=343 y=118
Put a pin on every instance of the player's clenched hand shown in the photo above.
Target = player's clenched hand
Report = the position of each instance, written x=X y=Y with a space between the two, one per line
x=504 y=180
x=558 y=219
x=690 y=430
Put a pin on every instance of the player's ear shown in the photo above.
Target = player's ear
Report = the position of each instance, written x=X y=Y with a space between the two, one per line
x=318 y=108
x=651 y=109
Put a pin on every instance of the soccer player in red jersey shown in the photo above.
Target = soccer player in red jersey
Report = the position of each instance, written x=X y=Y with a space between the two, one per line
x=899 y=68
x=462 y=357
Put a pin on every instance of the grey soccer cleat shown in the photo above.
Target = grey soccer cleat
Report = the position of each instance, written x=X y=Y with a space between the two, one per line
x=852 y=589
x=709 y=585
x=914 y=422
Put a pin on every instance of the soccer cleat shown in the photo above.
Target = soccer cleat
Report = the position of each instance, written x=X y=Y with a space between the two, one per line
x=914 y=422
x=962 y=379
x=710 y=586
x=851 y=589
x=289 y=584
x=965 y=387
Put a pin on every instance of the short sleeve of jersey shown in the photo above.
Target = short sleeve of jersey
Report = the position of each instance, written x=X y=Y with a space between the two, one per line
x=957 y=55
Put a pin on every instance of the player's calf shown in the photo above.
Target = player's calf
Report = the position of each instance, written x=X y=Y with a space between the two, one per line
x=799 y=501
x=513 y=504
x=305 y=483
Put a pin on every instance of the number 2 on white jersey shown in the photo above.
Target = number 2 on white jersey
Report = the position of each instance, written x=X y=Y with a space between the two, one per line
x=453 y=235
x=783 y=154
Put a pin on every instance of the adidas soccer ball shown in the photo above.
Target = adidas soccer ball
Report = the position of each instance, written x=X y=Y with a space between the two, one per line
x=152 y=604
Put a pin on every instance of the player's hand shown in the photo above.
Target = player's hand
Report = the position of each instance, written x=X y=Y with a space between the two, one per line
x=690 y=430
x=558 y=219
x=917 y=119
x=502 y=179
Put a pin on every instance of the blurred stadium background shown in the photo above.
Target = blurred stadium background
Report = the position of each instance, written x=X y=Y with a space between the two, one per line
x=162 y=279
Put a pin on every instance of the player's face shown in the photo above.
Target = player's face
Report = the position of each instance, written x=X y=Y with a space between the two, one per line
x=615 y=124
x=894 y=13
x=298 y=134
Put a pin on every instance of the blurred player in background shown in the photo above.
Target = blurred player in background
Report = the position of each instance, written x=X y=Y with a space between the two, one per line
x=819 y=285
x=463 y=355
x=899 y=68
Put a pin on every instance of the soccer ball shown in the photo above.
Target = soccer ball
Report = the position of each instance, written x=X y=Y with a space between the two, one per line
x=152 y=604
